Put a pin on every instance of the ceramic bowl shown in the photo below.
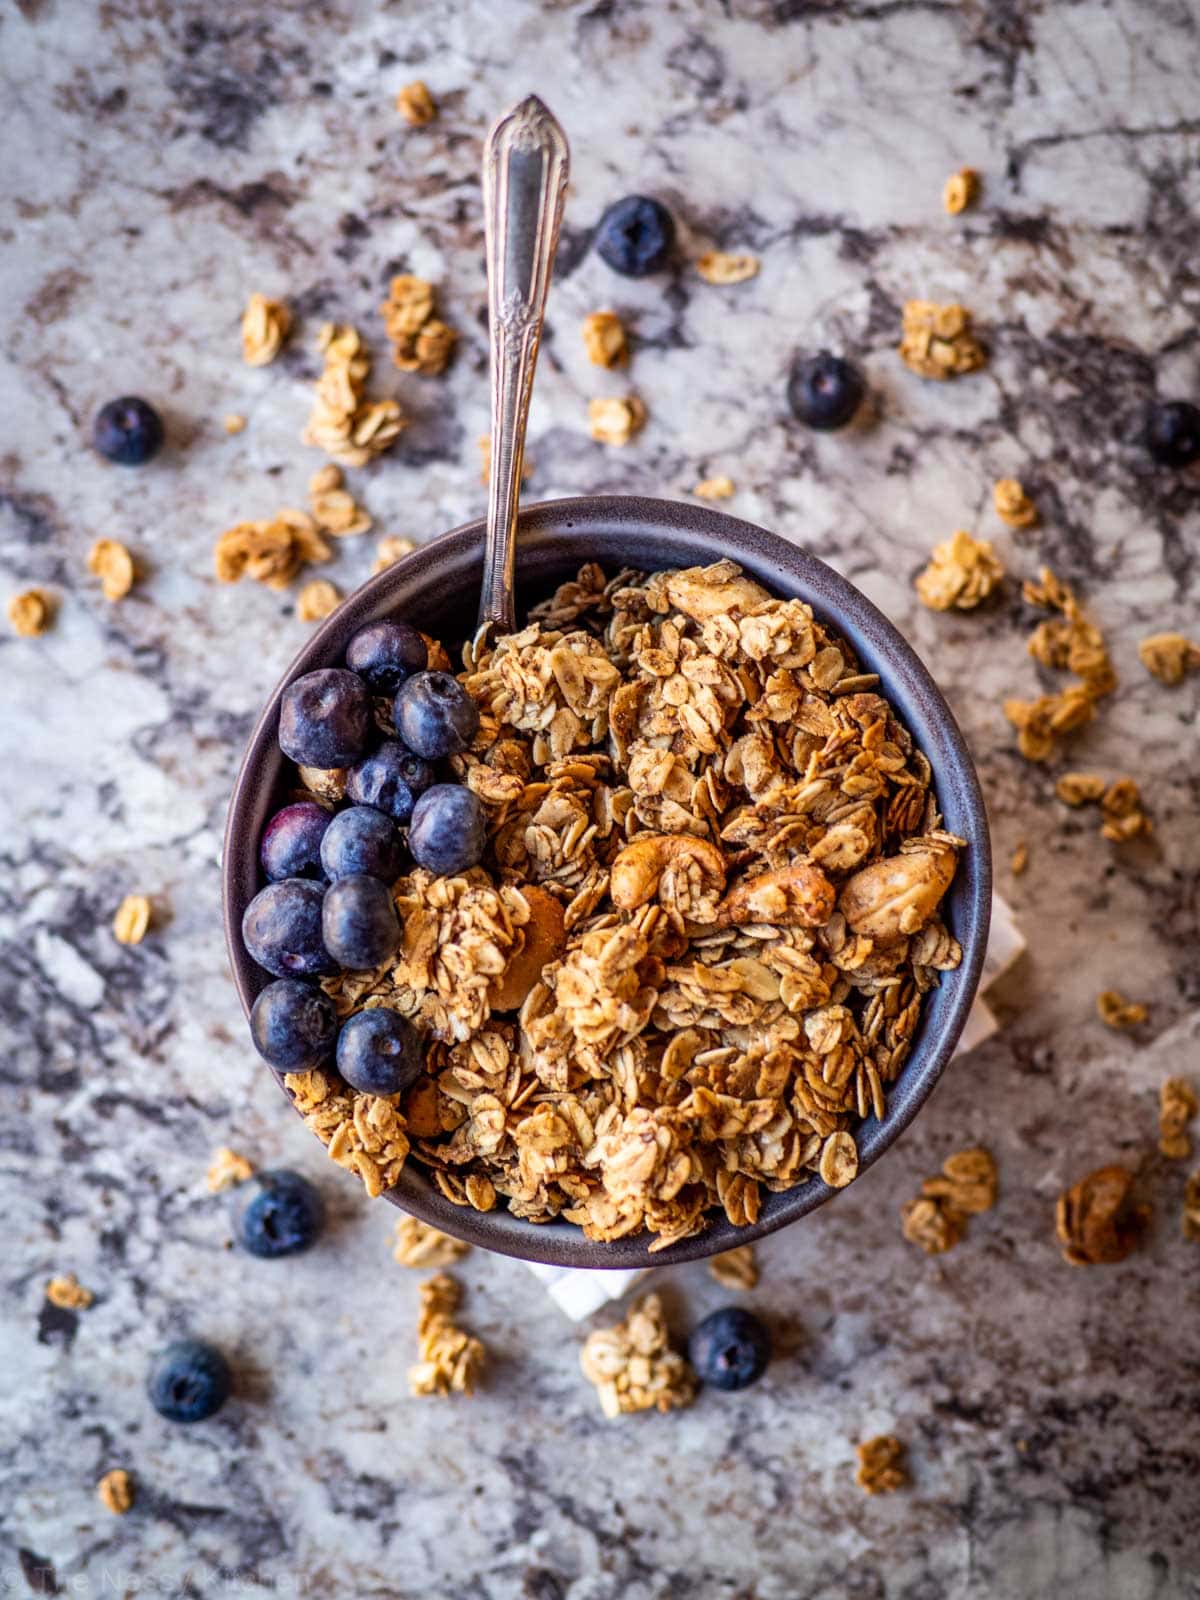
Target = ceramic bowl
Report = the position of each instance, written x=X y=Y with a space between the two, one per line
x=437 y=589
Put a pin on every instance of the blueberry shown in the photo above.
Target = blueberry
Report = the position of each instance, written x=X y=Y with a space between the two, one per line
x=390 y=779
x=379 y=1051
x=325 y=718
x=280 y=1214
x=730 y=1349
x=636 y=236
x=824 y=391
x=282 y=929
x=1172 y=433
x=189 y=1381
x=293 y=1025
x=359 y=922
x=362 y=840
x=291 y=841
x=127 y=431
x=447 y=832
x=385 y=653
x=435 y=716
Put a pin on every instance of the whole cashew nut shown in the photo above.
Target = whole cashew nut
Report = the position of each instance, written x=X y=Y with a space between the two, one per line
x=638 y=869
x=800 y=894
x=895 y=897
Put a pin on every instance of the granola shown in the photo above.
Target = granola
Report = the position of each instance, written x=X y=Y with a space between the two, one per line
x=1123 y=813
x=316 y=600
x=1096 y=1220
x=421 y=342
x=633 y=1365
x=604 y=339
x=116 y=1491
x=132 y=920
x=1068 y=642
x=937 y=1219
x=736 y=1268
x=233 y=422
x=30 y=613
x=1012 y=504
x=1020 y=858
x=882 y=1466
x=343 y=423
x=715 y=266
x=452 y=1360
x=333 y=506
x=616 y=420
x=417 y=1244
x=415 y=104
x=227 y=1169
x=1177 y=1105
x=696 y=950
x=960 y=190
x=67 y=1293
x=961 y=574
x=1169 y=657
x=721 y=488
x=271 y=552
x=937 y=342
x=1117 y=1012
x=265 y=326
x=112 y=563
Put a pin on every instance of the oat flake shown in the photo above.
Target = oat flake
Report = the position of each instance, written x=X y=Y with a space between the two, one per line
x=132 y=920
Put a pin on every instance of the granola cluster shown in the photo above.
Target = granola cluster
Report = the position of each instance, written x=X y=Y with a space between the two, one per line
x=1096 y=1219
x=937 y=342
x=937 y=1219
x=961 y=574
x=1120 y=800
x=696 y=952
x=1177 y=1106
x=882 y=1465
x=452 y=1360
x=272 y=551
x=343 y=423
x=30 y=613
x=111 y=562
x=421 y=341
x=1071 y=643
x=633 y=1365
x=265 y=326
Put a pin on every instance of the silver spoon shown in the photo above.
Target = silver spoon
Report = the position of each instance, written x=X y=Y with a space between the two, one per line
x=525 y=164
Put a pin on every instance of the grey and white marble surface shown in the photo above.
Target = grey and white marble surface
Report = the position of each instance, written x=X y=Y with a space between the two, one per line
x=163 y=160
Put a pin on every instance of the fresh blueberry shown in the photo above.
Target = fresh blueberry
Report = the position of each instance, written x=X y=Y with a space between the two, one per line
x=291 y=841
x=730 y=1349
x=359 y=922
x=1172 y=433
x=390 y=779
x=385 y=653
x=325 y=718
x=447 y=833
x=282 y=929
x=379 y=1051
x=189 y=1381
x=636 y=236
x=293 y=1025
x=127 y=431
x=362 y=839
x=824 y=391
x=435 y=716
x=280 y=1214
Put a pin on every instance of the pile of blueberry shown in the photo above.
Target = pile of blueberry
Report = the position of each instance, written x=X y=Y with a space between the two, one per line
x=328 y=901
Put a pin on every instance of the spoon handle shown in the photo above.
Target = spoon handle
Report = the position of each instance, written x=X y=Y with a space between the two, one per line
x=525 y=166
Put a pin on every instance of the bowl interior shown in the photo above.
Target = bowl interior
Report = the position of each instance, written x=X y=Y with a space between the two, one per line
x=437 y=589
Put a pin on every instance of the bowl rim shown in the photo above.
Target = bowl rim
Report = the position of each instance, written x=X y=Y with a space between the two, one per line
x=594 y=523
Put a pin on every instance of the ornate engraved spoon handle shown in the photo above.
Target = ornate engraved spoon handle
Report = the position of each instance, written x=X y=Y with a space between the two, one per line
x=525 y=166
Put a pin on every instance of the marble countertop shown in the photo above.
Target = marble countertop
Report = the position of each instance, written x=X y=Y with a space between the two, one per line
x=162 y=162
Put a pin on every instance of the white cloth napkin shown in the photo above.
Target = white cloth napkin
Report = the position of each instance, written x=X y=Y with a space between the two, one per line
x=580 y=1290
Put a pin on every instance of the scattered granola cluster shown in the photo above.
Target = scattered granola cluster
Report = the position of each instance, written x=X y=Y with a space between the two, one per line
x=317 y=600
x=271 y=552
x=937 y=1219
x=115 y=1490
x=937 y=342
x=696 y=952
x=348 y=427
x=615 y=420
x=721 y=488
x=1119 y=799
x=1096 y=1219
x=961 y=574
x=68 y=1294
x=226 y=1170
x=736 y=1268
x=112 y=563
x=1012 y=504
x=1068 y=642
x=633 y=1365
x=415 y=104
x=1177 y=1106
x=421 y=341
x=132 y=920
x=1117 y=1012
x=30 y=613
x=960 y=191
x=1169 y=657
x=265 y=326
x=882 y=1465
x=715 y=266
x=604 y=339
x=333 y=506
x=452 y=1361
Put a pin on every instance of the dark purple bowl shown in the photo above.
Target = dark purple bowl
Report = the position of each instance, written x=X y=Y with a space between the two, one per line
x=437 y=588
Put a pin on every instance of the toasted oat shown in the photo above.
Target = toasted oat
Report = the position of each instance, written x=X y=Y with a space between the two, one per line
x=343 y=423
x=265 y=326
x=233 y=422
x=1190 y=1218
x=721 y=488
x=451 y=1361
x=604 y=339
x=112 y=563
x=839 y=1160
x=333 y=506
x=132 y=920
x=1071 y=643
x=227 y=1169
x=960 y=191
x=1169 y=657
x=68 y=1294
x=1012 y=504
x=1096 y=1220
x=882 y=1465
x=1124 y=815
x=961 y=574
x=937 y=1219
x=932 y=1224
x=316 y=600
x=389 y=550
x=484 y=443
x=937 y=341
x=1080 y=788
x=736 y=1268
x=421 y=342
x=116 y=1491
x=30 y=613
x=633 y=1365
x=1117 y=1012
x=715 y=266
x=1177 y=1105
x=270 y=552
x=1020 y=858
x=418 y=1244
x=415 y=104
x=615 y=421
